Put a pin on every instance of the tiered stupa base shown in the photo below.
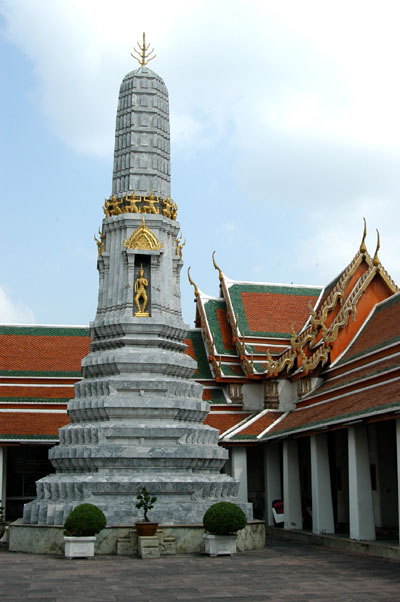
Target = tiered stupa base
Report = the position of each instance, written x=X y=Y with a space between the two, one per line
x=136 y=420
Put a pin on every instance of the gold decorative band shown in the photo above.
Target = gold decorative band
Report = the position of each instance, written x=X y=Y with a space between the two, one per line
x=140 y=204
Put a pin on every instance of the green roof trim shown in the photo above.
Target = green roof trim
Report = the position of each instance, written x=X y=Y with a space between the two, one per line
x=242 y=437
x=235 y=294
x=333 y=419
x=24 y=437
x=203 y=367
x=218 y=397
x=371 y=349
x=211 y=306
x=34 y=399
x=53 y=331
x=55 y=373
x=227 y=370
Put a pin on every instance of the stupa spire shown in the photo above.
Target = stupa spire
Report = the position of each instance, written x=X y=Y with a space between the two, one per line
x=142 y=143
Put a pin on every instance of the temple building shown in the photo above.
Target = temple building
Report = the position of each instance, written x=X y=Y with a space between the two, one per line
x=284 y=396
x=302 y=383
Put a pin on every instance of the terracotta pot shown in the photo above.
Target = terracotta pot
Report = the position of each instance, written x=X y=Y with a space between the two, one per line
x=146 y=529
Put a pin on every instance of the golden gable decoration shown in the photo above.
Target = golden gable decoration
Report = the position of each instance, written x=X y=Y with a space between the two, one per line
x=144 y=239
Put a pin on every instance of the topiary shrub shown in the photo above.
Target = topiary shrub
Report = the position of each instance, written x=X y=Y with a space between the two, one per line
x=224 y=518
x=85 y=520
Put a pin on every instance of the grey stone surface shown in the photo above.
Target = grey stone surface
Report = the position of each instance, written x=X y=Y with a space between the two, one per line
x=149 y=546
x=142 y=146
x=187 y=539
x=137 y=416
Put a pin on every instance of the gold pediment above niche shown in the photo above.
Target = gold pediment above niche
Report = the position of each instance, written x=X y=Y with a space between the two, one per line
x=144 y=239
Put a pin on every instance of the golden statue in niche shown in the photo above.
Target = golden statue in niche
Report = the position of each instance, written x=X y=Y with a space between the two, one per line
x=140 y=286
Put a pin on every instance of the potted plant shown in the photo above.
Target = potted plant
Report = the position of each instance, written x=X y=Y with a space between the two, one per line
x=81 y=528
x=145 y=502
x=222 y=521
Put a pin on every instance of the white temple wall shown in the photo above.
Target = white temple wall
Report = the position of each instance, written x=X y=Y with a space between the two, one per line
x=253 y=399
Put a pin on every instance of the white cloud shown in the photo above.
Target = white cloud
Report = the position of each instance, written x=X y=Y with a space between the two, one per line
x=329 y=243
x=14 y=312
x=304 y=69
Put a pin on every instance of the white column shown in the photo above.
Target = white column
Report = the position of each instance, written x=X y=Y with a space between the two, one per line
x=322 y=510
x=362 y=525
x=398 y=465
x=291 y=486
x=239 y=470
x=272 y=479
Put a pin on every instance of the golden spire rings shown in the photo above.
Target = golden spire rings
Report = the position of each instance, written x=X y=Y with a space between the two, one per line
x=143 y=56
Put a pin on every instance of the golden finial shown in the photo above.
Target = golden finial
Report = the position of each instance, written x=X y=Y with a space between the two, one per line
x=375 y=260
x=363 y=248
x=143 y=57
x=196 y=290
x=221 y=276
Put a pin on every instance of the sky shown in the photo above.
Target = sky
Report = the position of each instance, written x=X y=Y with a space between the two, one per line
x=285 y=133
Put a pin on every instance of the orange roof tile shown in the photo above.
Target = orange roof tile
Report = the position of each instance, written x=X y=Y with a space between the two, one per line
x=346 y=407
x=34 y=391
x=259 y=425
x=382 y=328
x=31 y=423
x=223 y=422
x=42 y=353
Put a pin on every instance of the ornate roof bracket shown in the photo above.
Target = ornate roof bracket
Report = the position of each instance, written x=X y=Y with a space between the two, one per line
x=320 y=356
x=349 y=307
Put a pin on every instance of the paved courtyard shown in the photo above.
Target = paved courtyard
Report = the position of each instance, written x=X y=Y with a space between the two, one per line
x=282 y=571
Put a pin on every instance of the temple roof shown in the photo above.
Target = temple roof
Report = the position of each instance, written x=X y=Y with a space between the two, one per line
x=42 y=350
x=39 y=366
x=269 y=310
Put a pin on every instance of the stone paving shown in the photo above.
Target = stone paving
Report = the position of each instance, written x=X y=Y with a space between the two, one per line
x=283 y=571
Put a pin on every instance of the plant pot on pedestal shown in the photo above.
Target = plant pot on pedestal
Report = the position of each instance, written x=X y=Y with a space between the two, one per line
x=146 y=529
x=79 y=547
x=81 y=528
x=219 y=545
x=222 y=521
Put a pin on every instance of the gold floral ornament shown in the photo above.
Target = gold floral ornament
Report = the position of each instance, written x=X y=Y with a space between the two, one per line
x=100 y=243
x=140 y=204
x=143 y=238
x=142 y=55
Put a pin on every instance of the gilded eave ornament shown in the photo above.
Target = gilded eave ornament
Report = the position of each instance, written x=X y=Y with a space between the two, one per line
x=143 y=239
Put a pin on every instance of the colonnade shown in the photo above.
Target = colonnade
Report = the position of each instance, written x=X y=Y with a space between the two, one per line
x=360 y=500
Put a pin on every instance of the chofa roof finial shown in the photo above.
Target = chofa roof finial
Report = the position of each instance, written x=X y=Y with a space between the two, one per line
x=196 y=289
x=363 y=248
x=221 y=276
x=375 y=260
x=143 y=57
